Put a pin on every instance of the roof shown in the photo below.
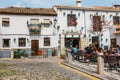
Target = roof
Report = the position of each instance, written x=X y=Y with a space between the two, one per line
x=96 y=8
x=28 y=11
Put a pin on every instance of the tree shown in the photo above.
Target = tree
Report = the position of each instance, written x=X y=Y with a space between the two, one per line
x=98 y=26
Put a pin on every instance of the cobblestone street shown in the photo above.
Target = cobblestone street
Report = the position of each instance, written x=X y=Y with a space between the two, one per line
x=36 y=69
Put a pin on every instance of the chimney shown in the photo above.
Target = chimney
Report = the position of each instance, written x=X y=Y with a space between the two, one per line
x=78 y=2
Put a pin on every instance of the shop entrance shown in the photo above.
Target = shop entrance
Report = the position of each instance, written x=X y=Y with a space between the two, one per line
x=71 y=42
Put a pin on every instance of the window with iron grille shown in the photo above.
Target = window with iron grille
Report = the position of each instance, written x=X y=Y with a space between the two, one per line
x=46 y=41
x=97 y=23
x=116 y=20
x=71 y=20
x=5 y=22
x=22 y=42
x=6 y=42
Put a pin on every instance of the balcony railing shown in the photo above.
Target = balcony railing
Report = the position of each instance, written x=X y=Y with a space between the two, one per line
x=117 y=29
x=34 y=32
x=34 y=29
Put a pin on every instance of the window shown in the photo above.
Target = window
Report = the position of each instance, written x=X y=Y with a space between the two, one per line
x=34 y=21
x=6 y=42
x=71 y=19
x=46 y=41
x=22 y=42
x=116 y=20
x=97 y=23
x=47 y=22
x=5 y=22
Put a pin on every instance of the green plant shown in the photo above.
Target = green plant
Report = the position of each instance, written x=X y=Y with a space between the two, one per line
x=62 y=55
x=53 y=52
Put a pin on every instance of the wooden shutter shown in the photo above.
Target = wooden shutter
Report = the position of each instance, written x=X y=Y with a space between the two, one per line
x=97 y=23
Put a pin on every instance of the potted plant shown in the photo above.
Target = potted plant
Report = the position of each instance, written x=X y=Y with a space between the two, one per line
x=62 y=55
x=53 y=52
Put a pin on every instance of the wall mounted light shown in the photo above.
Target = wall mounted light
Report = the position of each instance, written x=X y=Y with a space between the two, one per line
x=103 y=16
x=81 y=28
x=116 y=14
x=55 y=21
x=111 y=16
x=101 y=35
x=14 y=40
x=28 y=40
x=101 y=39
x=96 y=14
x=89 y=35
x=91 y=16
x=101 y=44
x=78 y=14
x=106 y=40
x=64 y=14
x=89 y=40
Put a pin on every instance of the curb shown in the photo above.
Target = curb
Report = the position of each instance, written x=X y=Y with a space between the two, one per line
x=97 y=76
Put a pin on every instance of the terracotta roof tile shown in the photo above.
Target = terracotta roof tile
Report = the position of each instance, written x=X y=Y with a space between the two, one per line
x=28 y=11
x=97 y=8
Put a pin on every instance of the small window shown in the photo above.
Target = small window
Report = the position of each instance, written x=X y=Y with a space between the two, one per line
x=6 y=42
x=22 y=42
x=34 y=21
x=116 y=20
x=5 y=22
x=46 y=41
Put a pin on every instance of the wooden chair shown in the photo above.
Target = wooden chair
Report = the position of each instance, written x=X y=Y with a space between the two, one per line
x=112 y=62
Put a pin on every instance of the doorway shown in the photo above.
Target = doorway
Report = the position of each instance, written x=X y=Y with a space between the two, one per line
x=34 y=47
x=113 y=42
x=95 y=41
x=71 y=42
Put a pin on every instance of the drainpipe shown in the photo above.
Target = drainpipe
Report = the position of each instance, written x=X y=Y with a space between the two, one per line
x=84 y=22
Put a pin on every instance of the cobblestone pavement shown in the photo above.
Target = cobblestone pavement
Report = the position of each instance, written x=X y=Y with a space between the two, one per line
x=92 y=69
x=36 y=69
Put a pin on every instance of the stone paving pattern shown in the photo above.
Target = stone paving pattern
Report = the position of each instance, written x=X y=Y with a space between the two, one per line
x=92 y=70
x=38 y=69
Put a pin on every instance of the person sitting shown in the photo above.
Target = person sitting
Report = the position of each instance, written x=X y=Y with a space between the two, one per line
x=118 y=49
x=112 y=50
x=88 y=50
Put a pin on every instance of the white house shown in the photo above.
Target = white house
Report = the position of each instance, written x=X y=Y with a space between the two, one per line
x=33 y=29
x=86 y=25
x=27 y=29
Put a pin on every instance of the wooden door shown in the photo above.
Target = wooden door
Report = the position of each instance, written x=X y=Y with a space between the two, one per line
x=34 y=47
x=113 y=42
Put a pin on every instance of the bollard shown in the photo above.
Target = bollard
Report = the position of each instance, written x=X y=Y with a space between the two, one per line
x=12 y=53
x=100 y=64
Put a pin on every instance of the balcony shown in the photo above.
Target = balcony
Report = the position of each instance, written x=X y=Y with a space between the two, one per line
x=34 y=29
x=117 y=29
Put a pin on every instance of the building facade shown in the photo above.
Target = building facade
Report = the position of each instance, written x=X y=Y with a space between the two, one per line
x=60 y=27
